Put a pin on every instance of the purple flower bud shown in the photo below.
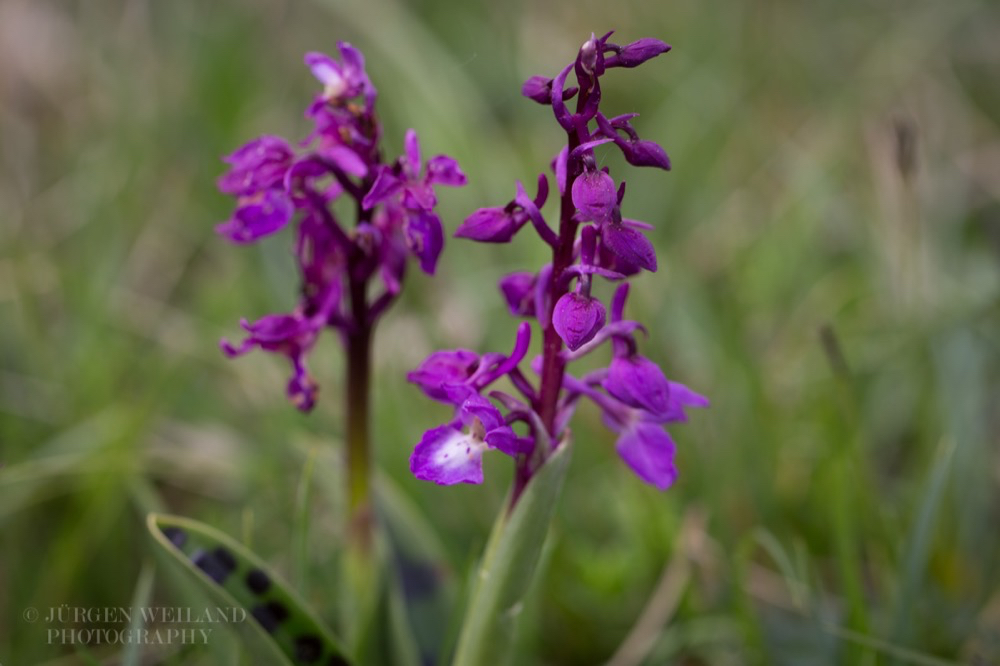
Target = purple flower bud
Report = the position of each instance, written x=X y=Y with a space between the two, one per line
x=593 y=195
x=637 y=53
x=577 y=318
x=639 y=383
x=441 y=368
x=257 y=216
x=346 y=159
x=519 y=291
x=645 y=153
x=539 y=89
x=630 y=245
x=490 y=225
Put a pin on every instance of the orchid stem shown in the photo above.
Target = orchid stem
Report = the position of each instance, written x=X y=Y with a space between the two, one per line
x=358 y=422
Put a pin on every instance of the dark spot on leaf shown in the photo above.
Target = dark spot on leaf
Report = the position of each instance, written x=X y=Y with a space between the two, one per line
x=258 y=581
x=270 y=615
x=308 y=649
x=175 y=535
x=337 y=660
x=210 y=564
x=225 y=559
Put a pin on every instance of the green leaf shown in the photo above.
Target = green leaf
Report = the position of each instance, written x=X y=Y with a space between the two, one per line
x=508 y=567
x=421 y=584
x=241 y=578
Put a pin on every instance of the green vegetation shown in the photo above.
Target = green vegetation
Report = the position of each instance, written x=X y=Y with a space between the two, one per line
x=829 y=241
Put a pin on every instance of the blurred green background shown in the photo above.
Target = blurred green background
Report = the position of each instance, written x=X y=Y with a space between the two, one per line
x=829 y=241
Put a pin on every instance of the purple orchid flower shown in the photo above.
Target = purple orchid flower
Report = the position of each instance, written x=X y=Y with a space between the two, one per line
x=276 y=185
x=591 y=240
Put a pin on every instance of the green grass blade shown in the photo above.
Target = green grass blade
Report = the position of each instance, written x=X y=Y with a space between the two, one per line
x=231 y=571
x=508 y=566
x=132 y=655
x=918 y=546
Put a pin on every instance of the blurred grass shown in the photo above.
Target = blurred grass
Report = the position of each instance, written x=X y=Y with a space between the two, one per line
x=830 y=243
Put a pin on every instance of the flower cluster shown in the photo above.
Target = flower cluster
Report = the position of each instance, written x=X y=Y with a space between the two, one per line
x=274 y=183
x=592 y=240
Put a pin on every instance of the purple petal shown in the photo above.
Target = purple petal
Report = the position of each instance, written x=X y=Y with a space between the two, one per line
x=629 y=245
x=531 y=210
x=256 y=166
x=489 y=225
x=478 y=407
x=562 y=114
x=412 y=146
x=680 y=397
x=445 y=170
x=325 y=69
x=594 y=195
x=346 y=159
x=425 y=238
x=354 y=61
x=258 y=217
x=497 y=434
x=271 y=330
x=301 y=389
x=444 y=367
x=638 y=382
x=519 y=291
x=559 y=168
x=637 y=53
x=386 y=184
x=448 y=456
x=301 y=180
x=649 y=451
x=577 y=319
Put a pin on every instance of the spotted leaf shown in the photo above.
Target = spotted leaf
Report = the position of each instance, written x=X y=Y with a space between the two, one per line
x=244 y=580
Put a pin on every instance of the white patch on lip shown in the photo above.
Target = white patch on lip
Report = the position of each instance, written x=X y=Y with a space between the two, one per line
x=458 y=449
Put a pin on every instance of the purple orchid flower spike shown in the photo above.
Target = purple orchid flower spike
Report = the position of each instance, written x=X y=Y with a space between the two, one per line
x=591 y=241
x=277 y=185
